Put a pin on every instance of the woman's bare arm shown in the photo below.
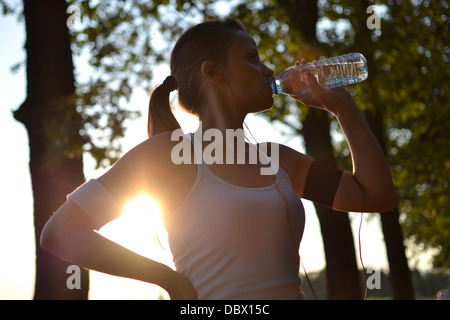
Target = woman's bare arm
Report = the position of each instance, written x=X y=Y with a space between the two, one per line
x=369 y=187
x=70 y=234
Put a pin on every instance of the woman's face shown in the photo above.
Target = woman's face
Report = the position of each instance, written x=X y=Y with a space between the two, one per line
x=247 y=76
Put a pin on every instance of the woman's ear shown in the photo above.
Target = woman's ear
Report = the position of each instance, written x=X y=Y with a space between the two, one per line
x=212 y=72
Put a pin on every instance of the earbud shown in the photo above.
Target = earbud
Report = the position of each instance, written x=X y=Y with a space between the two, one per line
x=220 y=76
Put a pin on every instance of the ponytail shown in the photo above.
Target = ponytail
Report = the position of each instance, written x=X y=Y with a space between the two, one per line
x=205 y=41
x=160 y=116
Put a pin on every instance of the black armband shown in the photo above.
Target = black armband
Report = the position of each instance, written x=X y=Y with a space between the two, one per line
x=322 y=183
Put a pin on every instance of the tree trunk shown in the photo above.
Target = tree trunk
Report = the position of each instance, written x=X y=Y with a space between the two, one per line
x=400 y=274
x=341 y=269
x=50 y=89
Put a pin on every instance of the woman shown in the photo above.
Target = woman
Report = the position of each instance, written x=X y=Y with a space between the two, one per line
x=234 y=233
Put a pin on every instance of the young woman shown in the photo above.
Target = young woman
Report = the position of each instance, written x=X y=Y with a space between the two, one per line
x=234 y=233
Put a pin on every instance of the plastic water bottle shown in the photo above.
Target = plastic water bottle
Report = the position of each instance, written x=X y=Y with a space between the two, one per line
x=330 y=73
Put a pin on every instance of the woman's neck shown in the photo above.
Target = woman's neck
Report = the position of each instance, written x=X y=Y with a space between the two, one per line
x=221 y=113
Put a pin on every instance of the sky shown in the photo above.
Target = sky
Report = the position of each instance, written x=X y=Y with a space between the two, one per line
x=16 y=217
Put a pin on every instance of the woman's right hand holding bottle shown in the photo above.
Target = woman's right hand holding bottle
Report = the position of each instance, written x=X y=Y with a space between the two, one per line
x=332 y=100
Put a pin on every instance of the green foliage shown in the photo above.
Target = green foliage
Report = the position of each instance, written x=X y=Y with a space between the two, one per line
x=412 y=55
x=7 y=8
x=423 y=170
x=115 y=37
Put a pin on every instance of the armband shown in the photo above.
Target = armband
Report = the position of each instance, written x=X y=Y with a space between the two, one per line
x=97 y=202
x=322 y=183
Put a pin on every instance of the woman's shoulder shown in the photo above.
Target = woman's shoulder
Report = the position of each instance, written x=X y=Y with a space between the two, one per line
x=155 y=150
x=160 y=142
x=148 y=167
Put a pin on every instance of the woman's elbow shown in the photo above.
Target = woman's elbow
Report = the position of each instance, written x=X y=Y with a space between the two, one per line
x=385 y=202
x=48 y=240
x=392 y=201
x=52 y=239
x=63 y=230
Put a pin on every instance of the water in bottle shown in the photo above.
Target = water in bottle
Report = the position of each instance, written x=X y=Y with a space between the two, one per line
x=330 y=73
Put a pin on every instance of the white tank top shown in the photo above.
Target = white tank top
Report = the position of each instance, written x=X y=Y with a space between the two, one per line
x=234 y=242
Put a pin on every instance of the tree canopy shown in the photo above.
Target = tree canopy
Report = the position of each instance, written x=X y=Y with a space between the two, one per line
x=409 y=71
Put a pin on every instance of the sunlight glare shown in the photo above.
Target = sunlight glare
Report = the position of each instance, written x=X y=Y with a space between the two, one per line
x=143 y=207
x=188 y=122
x=142 y=217
x=140 y=228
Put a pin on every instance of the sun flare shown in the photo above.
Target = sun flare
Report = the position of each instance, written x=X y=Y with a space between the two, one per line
x=140 y=229
x=143 y=208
